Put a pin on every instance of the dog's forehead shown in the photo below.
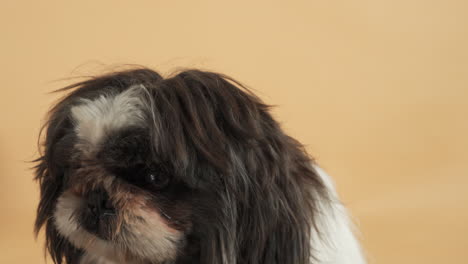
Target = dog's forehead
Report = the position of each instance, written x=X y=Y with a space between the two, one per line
x=94 y=120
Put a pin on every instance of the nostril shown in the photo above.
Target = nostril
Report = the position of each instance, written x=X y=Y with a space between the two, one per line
x=108 y=205
x=92 y=208
x=98 y=202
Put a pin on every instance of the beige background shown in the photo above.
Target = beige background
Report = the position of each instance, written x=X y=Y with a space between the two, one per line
x=377 y=90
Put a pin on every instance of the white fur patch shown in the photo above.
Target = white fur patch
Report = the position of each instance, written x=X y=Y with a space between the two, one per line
x=89 y=258
x=94 y=119
x=149 y=240
x=337 y=243
x=67 y=206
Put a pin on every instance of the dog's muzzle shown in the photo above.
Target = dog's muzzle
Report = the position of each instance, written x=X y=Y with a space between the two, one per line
x=99 y=214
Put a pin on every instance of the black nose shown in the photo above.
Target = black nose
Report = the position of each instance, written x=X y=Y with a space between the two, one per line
x=99 y=204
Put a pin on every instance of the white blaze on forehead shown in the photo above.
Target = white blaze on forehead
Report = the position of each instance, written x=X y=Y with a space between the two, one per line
x=94 y=119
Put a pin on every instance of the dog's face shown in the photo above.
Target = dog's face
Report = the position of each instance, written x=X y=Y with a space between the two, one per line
x=120 y=200
x=190 y=169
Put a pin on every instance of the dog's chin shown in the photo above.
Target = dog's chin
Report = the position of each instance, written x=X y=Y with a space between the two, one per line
x=139 y=236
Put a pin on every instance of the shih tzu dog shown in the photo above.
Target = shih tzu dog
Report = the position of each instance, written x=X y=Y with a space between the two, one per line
x=137 y=168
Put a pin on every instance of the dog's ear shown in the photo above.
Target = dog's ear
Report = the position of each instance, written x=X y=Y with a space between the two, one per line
x=275 y=211
x=50 y=170
x=266 y=197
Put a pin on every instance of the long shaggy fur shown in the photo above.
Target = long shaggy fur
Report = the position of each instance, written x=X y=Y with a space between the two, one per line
x=246 y=192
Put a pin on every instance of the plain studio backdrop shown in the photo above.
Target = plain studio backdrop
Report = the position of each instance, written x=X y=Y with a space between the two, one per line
x=376 y=90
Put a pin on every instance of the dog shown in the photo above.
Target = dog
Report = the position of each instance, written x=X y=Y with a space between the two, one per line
x=136 y=168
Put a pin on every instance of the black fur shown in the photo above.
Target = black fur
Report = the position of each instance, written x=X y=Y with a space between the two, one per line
x=248 y=192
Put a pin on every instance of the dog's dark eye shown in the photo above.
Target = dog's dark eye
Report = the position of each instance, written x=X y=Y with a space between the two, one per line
x=157 y=179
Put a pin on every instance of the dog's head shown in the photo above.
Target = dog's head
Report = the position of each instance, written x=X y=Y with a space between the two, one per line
x=136 y=168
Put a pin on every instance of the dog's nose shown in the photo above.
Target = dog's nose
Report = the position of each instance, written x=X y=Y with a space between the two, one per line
x=99 y=204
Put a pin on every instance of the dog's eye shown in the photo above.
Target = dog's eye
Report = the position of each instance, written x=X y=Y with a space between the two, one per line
x=152 y=177
x=157 y=179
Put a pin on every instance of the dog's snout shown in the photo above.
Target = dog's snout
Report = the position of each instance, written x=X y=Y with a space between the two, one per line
x=98 y=203
x=99 y=213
